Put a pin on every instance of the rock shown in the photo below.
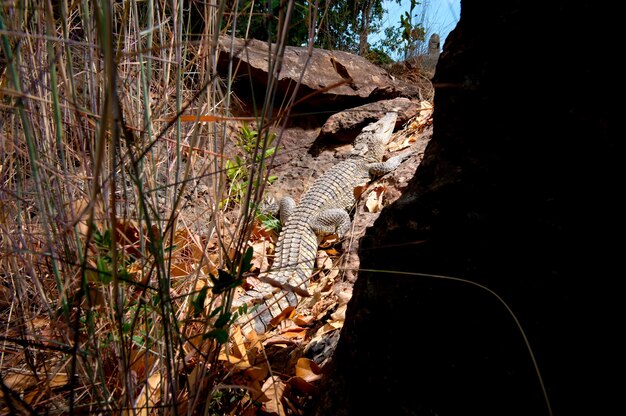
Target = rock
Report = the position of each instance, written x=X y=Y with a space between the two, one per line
x=332 y=80
x=347 y=124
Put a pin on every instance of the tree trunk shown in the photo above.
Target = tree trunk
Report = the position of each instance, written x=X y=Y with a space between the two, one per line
x=515 y=200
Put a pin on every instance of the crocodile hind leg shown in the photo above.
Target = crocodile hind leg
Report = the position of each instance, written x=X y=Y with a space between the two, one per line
x=331 y=221
x=285 y=208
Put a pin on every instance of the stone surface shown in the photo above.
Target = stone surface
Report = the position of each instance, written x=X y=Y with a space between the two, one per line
x=332 y=80
x=347 y=124
x=519 y=216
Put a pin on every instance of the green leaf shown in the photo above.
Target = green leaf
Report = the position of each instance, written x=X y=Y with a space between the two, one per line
x=139 y=340
x=124 y=276
x=219 y=335
x=243 y=309
x=224 y=281
x=269 y=152
x=223 y=320
x=104 y=274
x=246 y=262
x=198 y=301
x=215 y=311
x=106 y=239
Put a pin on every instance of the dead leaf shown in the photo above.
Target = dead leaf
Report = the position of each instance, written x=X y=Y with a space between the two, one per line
x=255 y=346
x=328 y=241
x=374 y=201
x=321 y=258
x=302 y=320
x=274 y=389
x=293 y=332
x=340 y=313
x=6 y=297
x=59 y=380
x=236 y=352
x=149 y=396
x=328 y=327
x=257 y=373
x=19 y=382
x=308 y=370
x=285 y=314
x=302 y=385
x=358 y=191
x=260 y=260
x=407 y=142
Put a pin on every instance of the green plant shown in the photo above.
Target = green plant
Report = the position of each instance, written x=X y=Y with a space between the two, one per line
x=238 y=170
x=378 y=56
x=412 y=33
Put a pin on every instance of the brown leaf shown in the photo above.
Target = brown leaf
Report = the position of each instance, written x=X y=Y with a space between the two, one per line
x=302 y=320
x=149 y=396
x=285 y=314
x=257 y=373
x=374 y=202
x=255 y=346
x=236 y=352
x=358 y=191
x=308 y=370
x=328 y=241
x=294 y=331
x=19 y=382
x=259 y=257
x=302 y=385
x=328 y=327
x=274 y=389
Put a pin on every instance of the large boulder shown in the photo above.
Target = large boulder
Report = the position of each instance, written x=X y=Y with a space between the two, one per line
x=330 y=80
x=505 y=240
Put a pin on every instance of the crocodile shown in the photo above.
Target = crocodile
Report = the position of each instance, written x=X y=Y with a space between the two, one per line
x=323 y=210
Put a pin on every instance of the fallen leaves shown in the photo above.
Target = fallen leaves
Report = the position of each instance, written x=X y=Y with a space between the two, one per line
x=149 y=396
x=414 y=127
x=374 y=201
x=32 y=388
x=308 y=370
x=273 y=389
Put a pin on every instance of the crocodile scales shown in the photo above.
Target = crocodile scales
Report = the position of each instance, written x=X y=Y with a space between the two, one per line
x=323 y=210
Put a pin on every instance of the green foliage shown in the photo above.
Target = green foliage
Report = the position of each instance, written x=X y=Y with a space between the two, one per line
x=345 y=25
x=392 y=42
x=341 y=25
x=264 y=18
x=269 y=221
x=238 y=169
x=378 y=56
x=104 y=259
x=412 y=33
x=198 y=301
x=224 y=283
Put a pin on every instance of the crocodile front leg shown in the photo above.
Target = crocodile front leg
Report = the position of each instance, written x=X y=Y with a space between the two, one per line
x=382 y=168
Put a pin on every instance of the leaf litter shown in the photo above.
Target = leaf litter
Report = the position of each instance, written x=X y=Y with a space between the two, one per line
x=254 y=362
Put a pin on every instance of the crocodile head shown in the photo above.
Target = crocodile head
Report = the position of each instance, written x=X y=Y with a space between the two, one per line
x=370 y=144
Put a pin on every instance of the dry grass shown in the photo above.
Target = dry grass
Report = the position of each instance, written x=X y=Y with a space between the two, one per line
x=103 y=282
x=122 y=234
